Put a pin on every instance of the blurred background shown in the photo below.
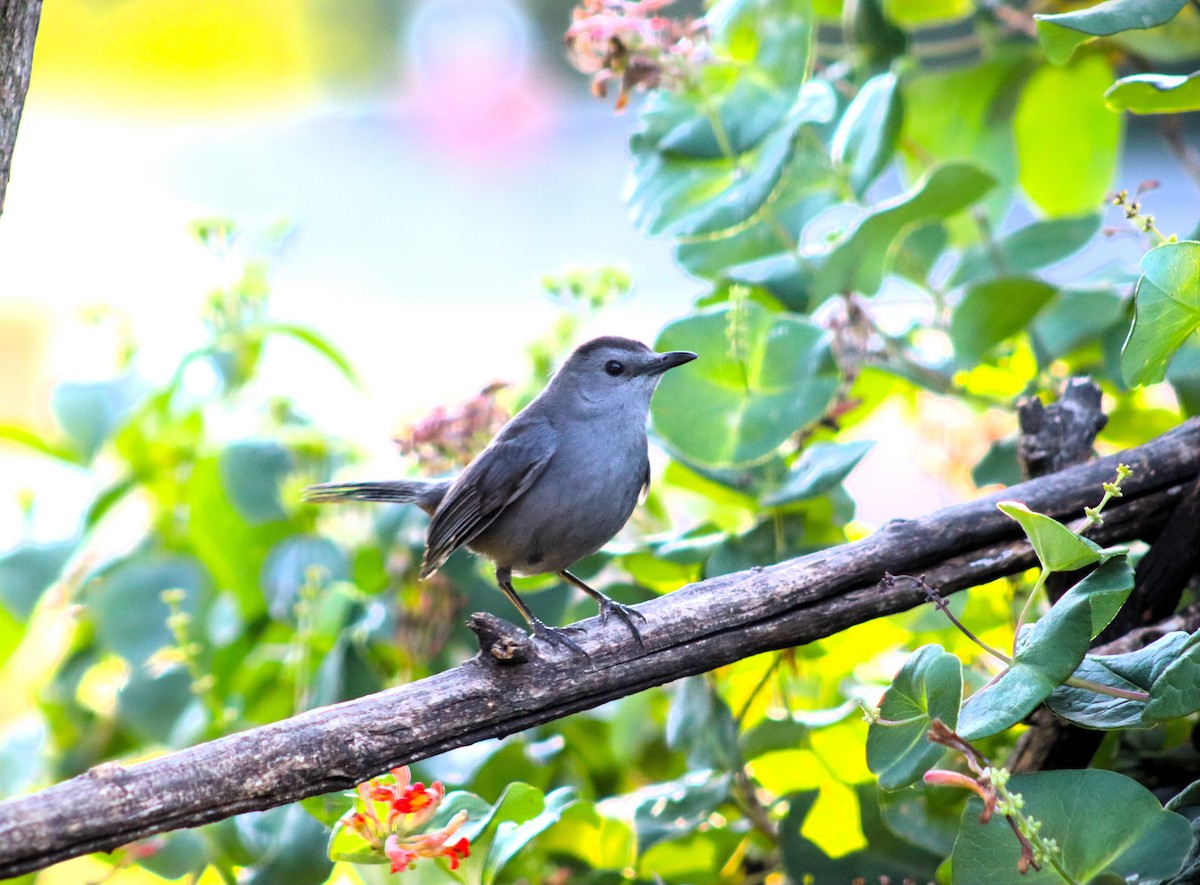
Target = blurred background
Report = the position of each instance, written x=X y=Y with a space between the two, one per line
x=429 y=161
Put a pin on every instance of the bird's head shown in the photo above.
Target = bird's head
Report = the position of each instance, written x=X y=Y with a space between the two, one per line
x=615 y=373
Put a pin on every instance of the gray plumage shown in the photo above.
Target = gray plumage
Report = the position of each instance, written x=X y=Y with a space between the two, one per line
x=557 y=482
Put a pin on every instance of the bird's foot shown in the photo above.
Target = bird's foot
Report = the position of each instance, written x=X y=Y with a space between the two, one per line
x=555 y=636
x=610 y=608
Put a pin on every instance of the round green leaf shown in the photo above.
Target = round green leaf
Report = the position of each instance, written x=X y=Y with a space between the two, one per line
x=1104 y=822
x=288 y=568
x=126 y=602
x=90 y=412
x=251 y=472
x=761 y=377
x=1168 y=311
x=27 y=572
x=928 y=687
x=1067 y=138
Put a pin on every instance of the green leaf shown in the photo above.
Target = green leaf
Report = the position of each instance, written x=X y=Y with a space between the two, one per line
x=126 y=601
x=999 y=465
x=928 y=687
x=1132 y=671
x=288 y=568
x=1048 y=652
x=89 y=412
x=27 y=572
x=994 y=311
x=176 y=855
x=150 y=704
x=770 y=37
x=820 y=468
x=251 y=472
x=920 y=250
x=512 y=836
x=1077 y=316
x=1105 y=590
x=1103 y=821
x=317 y=342
x=763 y=376
x=1155 y=94
x=1060 y=34
x=671 y=810
x=602 y=843
x=857 y=263
x=768 y=735
x=1176 y=692
x=1168 y=311
x=690 y=194
x=1057 y=547
x=701 y=724
x=23 y=436
x=866 y=136
x=289 y=846
x=1030 y=248
x=1066 y=137
x=886 y=856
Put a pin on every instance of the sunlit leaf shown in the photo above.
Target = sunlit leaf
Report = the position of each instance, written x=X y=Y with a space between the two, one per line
x=761 y=377
x=1066 y=137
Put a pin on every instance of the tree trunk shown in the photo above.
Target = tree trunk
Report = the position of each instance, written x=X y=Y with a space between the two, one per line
x=18 y=28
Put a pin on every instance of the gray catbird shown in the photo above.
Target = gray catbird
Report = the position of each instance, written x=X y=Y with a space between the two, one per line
x=557 y=482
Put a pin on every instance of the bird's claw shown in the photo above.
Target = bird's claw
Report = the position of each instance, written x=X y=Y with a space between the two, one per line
x=555 y=636
x=626 y=613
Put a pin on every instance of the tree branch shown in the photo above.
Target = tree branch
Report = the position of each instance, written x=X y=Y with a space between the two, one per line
x=695 y=629
x=18 y=28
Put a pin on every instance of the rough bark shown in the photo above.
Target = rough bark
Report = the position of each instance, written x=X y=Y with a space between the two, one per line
x=695 y=629
x=18 y=28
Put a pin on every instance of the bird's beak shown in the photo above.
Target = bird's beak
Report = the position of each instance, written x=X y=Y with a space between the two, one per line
x=669 y=360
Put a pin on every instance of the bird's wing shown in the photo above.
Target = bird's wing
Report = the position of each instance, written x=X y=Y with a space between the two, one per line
x=495 y=479
x=645 y=489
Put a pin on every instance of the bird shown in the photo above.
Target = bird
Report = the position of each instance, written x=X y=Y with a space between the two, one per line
x=557 y=482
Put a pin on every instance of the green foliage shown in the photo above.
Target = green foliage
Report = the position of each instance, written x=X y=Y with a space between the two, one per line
x=928 y=687
x=850 y=225
x=1168 y=310
x=1060 y=34
x=1105 y=824
x=1155 y=94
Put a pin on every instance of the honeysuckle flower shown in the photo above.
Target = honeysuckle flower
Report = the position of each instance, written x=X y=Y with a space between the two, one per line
x=624 y=41
x=388 y=814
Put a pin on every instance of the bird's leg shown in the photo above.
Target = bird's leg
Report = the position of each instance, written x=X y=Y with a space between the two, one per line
x=541 y=630
x=608 y=606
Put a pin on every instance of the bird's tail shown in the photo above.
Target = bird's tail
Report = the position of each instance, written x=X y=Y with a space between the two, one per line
x=426 y=494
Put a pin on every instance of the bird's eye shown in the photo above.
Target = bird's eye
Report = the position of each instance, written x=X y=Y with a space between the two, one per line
x=614 y=368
